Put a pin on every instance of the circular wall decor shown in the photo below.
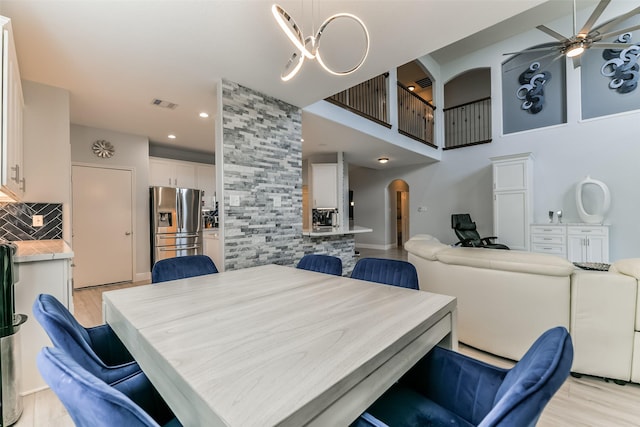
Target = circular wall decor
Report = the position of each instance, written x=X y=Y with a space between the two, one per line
x=103 y=149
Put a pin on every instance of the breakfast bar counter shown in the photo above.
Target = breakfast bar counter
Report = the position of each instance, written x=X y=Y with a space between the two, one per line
x=335 y=231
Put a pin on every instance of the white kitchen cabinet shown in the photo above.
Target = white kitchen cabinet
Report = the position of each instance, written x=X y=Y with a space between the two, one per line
x=324 y=185
x=588 y=243
x=512 y=199
x=549 y=239
x=211 y=247
x=171 y=173
x=206 y=180
x=50 y=277
x=12 y=170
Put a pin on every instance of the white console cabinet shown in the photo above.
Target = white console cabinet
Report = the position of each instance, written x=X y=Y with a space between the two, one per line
x=588 y=243
x=576 y=242
x=512 y=199
x=549 y=239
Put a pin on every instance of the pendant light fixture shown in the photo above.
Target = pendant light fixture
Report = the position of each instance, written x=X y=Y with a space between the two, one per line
x=309 y=47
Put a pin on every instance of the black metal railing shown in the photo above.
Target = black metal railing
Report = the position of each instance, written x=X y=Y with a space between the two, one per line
x=467 y=124
x=367 y=99
x=415 y=116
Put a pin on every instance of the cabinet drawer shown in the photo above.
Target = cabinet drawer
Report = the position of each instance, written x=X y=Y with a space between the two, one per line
x=551 y=229
x=547 y=239
x=549 y=249
x=587 y=231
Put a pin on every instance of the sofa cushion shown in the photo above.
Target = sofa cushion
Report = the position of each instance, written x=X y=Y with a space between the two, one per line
x=515 y=261
x=425 y=246
x=629 y=267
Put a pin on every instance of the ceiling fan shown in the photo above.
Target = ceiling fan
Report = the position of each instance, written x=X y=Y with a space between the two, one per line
x=588 y=36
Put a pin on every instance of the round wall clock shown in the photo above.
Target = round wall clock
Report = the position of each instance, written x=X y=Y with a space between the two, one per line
x=103 y=149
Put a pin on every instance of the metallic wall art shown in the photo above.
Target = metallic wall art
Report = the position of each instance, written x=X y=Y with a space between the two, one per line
x=103 y=149
x=621 y=65
x=532 y=81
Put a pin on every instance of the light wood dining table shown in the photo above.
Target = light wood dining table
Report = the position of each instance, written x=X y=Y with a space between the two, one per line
x=275 y=345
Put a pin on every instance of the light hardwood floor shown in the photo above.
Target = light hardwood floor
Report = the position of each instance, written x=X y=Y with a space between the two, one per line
x=580 y=402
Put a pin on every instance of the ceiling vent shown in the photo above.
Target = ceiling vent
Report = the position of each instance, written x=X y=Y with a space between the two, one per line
x=164 y=104
x=425 y=82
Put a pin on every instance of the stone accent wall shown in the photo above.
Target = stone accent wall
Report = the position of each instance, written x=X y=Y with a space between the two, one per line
x=262 y=164
x=262 y=167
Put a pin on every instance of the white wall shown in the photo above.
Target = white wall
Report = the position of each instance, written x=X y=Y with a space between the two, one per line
x=131 y=151
x=606 y=148
x=47 y=164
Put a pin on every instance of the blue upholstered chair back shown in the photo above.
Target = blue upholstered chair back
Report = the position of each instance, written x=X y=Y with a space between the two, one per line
x=531 y=383
x=321 y=263
x=98 y=348
x=448 y=388
x=387 y=271
x=182 y=267
x=131 y=402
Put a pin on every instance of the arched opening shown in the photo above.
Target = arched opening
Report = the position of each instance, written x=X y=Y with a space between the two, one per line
x=399 y=212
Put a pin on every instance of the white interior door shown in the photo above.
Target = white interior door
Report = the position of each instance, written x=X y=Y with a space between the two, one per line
x=102 y=226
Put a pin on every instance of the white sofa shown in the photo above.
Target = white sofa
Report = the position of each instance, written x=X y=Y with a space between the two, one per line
x=506 y=299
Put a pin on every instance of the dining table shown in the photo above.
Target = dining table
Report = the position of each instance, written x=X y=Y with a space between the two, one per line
x=275 y=345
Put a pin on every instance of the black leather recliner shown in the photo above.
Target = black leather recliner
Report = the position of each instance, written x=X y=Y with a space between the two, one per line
x=466 y=231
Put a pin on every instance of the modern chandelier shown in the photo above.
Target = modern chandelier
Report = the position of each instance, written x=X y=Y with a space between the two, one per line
x=309 y=47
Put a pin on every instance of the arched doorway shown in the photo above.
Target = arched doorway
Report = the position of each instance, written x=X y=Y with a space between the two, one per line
x=399 y=211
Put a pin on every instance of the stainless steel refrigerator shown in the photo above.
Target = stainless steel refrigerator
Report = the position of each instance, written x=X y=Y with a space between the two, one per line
x=176 y=222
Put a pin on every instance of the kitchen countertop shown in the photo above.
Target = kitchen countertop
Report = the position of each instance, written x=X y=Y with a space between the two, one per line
x=335 y=231
x=41 y=250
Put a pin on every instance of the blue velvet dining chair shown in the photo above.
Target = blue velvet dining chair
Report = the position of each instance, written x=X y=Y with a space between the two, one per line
x=321 y=263
x=131 y=402
x=446 y=388
x=388 y=271
x=97 y=348
x=182 y=267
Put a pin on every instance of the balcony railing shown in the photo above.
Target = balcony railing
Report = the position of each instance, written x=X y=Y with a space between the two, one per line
x=367 y=99
x=468 y=124
x=415 y=116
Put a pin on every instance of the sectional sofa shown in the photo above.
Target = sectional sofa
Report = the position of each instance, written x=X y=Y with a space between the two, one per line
x=506 y=299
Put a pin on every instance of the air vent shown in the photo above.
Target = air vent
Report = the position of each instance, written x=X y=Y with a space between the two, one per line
x=425 y=82
x=164 y=104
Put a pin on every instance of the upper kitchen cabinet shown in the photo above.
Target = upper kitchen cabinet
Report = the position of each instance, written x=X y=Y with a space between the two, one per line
x=206 y=180
x=11 y=173
x=324 y=185
x=171 y=173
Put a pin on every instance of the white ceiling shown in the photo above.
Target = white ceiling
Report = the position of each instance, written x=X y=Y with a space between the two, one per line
x=114 y=57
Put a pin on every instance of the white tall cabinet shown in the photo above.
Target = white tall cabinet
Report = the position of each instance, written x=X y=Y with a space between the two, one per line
x=12 y=170
x=324 y=185
x=513 y=199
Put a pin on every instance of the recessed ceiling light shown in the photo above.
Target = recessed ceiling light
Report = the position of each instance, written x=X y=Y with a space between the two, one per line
x=301 y=139
x=171 y=136
x=383 y=160
x=204 y=115
x=411 y=88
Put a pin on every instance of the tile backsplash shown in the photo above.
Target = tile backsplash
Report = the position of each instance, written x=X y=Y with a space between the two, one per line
x=16 y=220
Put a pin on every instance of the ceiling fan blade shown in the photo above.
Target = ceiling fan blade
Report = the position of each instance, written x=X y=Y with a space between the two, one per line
x=615 y=46
x=600 y=29
x=593 y=18
x=552 y=33
x=520 y=64
x=618 y=32
x=538 y=49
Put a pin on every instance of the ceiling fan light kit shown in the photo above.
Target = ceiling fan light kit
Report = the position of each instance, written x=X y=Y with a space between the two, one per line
x=309 y=47
x=588 y=36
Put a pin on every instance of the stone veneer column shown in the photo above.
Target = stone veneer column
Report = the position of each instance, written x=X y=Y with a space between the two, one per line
x=262 y=164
